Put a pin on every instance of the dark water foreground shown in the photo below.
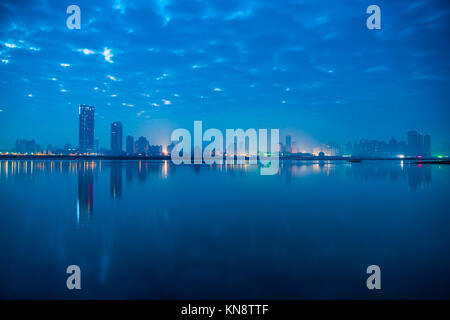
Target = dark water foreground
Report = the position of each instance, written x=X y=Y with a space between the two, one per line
x=153 y=230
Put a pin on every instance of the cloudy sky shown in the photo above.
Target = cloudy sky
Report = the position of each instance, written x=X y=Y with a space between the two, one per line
x=310 y=68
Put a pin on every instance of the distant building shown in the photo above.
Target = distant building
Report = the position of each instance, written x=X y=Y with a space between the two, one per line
x=288 y=147
x=130 y=145
x=418 y=145
x=116 y=138
x=413 y=143
x=155 y=150
x=142 y=146
x=170 y=147
x=427 y=145
x=27 y=146
x=86 y=128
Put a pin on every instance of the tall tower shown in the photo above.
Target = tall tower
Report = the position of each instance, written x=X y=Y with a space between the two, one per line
x=116 y=138
x=86 y=128
x=288 y=144
x=130 y=145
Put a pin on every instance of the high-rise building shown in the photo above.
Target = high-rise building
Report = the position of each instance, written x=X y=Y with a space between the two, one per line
x=27 y=146
x=420 y=144
x=427 y=145
x=116 y=138
x=142 y=146
x=86 y=128
x=130 y=145
x=288 y=144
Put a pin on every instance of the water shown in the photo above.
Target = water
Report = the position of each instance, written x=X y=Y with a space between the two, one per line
x=153 y=230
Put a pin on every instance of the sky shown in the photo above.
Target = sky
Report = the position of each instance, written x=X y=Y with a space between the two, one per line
x=309 y=68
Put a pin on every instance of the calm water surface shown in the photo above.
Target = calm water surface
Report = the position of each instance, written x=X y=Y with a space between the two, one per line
x=154 y=230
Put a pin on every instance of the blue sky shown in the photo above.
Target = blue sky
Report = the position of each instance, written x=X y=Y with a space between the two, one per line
x=310 y=68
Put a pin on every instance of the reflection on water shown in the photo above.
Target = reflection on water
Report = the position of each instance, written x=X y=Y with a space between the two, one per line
x=417 y=176
x=165 y=231
x=85 y=204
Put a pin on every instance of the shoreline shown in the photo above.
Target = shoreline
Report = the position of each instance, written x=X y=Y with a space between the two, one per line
x=149 y=158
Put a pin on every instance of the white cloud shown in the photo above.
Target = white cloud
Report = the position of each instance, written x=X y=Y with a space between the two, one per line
x=127 y=104
x=114 y=95
x=30 y=95
x=96 y=88
x=65 y=65
x=10 y=45
x=63 y=90
x=112 y=77
x=140 y=113
x=198 y=66
x=155 y=104
x=217 y=89
x=166 y=101
x=86 y=51
x=164 y=75
x=53 y=79
x=5 y=61
x=108 y=55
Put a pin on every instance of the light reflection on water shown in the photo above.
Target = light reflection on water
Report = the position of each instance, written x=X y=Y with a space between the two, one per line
x=150 y=229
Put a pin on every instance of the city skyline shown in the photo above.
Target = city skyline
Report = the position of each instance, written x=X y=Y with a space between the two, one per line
x=312 y=70
x=415 y=145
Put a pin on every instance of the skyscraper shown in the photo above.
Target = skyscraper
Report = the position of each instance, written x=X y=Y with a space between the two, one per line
x=116 y=138
x=130 y=145
x=288 y=144
x=86 y=128
x=142 y=146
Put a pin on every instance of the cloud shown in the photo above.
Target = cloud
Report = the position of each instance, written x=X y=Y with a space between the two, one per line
x=10 y=45
x=107 y=55
x=86 y=51
x=65 y=65
x=112 y=77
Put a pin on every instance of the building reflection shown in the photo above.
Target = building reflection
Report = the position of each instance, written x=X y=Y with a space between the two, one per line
x=85 y=204
x=116 y=179
x=418 y=176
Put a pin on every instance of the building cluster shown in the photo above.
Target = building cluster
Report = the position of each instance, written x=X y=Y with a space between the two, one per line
x=417 y=145
x=140 y=147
